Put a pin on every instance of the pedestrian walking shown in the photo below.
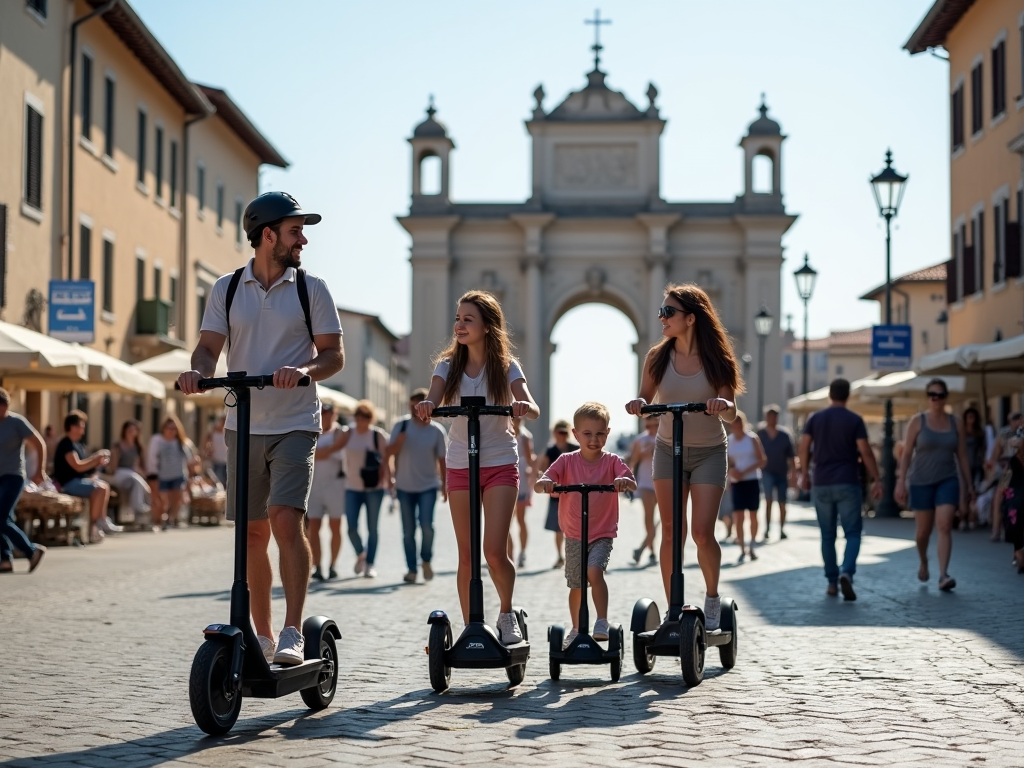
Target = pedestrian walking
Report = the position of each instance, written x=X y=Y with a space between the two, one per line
x=283 y=320
x=560 y=444
x=368 y=474
x=693 y=362
x=126 y=461
x=327 y=491
x=590 y=465
x=935 y=486
x=746 y=459
x=837 y=437
x=418 y=447
x=171 y=458
x=524 y=446
x=216 y=450
x=641 y=459
x=775 y=475
x=75 y=473
x=15 y=433
x=974 y=436
x=1013 y=500
x=479 y=363
x=999 y=465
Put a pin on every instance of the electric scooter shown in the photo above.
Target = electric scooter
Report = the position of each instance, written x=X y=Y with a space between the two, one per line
x=682 y=633
x=230 y=663
x=478 y=647
x=584 y=649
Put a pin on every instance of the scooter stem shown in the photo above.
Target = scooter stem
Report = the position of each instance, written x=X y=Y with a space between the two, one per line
x=240 y=587
x=676 y=579
x=584 y=617
x=476 y=585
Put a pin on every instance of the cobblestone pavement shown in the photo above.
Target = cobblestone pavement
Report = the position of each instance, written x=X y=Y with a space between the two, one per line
x=97 y=647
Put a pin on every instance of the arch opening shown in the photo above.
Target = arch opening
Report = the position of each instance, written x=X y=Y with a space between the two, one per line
x=430 y=174
x=594 y=358
x=762 y=171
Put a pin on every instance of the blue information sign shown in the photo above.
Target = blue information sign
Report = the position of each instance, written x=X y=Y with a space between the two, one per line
x=891 y=347
x=73 y=310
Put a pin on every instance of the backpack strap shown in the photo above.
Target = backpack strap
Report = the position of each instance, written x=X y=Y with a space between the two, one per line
x=232 y=288
x=300 y=286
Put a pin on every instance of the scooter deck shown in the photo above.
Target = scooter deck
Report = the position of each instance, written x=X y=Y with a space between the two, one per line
x=478 y=647
x=713 y=640
x=584 y=649
x=280 y=680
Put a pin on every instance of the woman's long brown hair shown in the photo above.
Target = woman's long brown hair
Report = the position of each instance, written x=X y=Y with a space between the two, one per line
x=498 y=351
x=716 y=354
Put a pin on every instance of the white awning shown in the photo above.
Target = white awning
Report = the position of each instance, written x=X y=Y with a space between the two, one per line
x=23 y=351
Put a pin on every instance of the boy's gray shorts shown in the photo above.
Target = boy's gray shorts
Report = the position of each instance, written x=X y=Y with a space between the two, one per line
x=598 y=554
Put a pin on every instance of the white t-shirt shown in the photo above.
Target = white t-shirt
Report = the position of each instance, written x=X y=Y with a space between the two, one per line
x=373 y=439
x=743 y=453
x=327 y=469
x=645 y=467
x=268 y=331
x=497 y=440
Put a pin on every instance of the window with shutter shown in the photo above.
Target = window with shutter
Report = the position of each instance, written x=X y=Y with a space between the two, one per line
x=174 y=175
x=158 y=281
x=3 y=256
x=158 y=162
x=33 y=158
x=951 y=297
x=1013 y=249
x=86 y=96
x=220 y=205
x=108 y=275
x=999 y=79
x=956 y=112
x=969 y=270
x=39 y=6
x=84 y=252
x=978 y=242
x=977 y=103
x=108 y=117
x=140 y=175
x=140 y=279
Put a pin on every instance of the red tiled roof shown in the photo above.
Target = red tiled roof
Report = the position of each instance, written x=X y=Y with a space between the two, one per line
x=858 y=338
x=936 y=25
x=933 y=274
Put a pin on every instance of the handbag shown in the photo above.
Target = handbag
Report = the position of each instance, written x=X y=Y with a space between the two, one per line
x=370 y=473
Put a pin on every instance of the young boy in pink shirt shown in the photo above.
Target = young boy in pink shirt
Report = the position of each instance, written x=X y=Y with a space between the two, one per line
x=589 y=465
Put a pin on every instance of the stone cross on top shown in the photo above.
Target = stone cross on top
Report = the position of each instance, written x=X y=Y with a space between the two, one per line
x=597 y=21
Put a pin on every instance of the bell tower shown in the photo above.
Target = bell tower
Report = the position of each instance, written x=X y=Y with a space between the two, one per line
x=762 y=162
x=431 y=150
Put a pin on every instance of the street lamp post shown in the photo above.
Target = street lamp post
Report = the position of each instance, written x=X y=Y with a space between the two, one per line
x=805 y=279
x=763 y=327
x=888 y=187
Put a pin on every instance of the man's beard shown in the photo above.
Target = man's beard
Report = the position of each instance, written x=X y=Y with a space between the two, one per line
x=282 y=256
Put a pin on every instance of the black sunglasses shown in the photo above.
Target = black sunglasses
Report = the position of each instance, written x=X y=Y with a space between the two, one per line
x=937 y=395
x=665 y=311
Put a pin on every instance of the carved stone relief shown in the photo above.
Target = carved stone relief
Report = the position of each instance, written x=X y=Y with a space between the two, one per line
x=596 y=166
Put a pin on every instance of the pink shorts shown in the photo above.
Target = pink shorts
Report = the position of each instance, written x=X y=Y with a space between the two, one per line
x=506 y=474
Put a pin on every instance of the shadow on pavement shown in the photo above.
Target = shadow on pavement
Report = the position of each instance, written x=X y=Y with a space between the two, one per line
x=989 y=597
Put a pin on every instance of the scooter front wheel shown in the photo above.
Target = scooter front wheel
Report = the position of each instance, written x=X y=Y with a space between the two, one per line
x=215 y=703
x=440 y=641
x=692 y=647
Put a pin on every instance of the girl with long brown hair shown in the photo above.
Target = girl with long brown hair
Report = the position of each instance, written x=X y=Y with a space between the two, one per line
x=693 y=362
x=479 y=362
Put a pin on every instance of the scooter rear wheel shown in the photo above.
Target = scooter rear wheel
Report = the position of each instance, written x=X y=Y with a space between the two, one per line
x=321 y=695
x=215 y=703
x=440 y=641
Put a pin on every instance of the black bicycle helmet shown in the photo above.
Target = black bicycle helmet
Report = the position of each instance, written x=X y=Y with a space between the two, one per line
x=271 y=207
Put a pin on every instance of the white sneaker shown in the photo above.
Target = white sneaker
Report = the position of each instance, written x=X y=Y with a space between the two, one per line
x=267 y=646
x=712 y=614
x=521 y=563
x=569 y=638
x=109 y=526
x=289 y=648
x=600 y=629
x=371 y=572
x=508 y=629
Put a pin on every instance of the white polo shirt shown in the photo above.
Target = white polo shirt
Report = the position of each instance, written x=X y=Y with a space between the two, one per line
x=268 y=331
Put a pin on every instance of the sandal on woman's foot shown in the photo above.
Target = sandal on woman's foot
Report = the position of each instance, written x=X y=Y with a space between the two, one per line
x=922 y=572
x=947 y=583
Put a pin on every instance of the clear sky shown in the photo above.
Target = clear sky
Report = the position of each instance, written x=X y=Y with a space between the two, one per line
x=338 y=85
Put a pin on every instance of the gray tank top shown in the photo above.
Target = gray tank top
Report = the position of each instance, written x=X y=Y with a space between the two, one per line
x=698 y=429
x=129 y=457
x=934 y=454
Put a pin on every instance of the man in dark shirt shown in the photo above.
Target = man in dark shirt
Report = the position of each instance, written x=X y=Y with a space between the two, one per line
x=73 y=471
x=838 y=437
x=778 y=447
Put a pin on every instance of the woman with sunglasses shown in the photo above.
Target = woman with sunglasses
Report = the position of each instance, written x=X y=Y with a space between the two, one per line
x=939 y=478
x=693 y=362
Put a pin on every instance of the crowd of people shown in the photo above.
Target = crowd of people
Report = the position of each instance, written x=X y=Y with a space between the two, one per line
x=305 y=466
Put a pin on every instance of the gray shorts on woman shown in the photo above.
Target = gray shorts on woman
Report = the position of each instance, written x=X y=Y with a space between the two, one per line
x=702 y=465
x=598 y=554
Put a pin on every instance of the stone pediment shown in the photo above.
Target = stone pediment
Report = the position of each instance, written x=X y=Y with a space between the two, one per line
x=595 y=102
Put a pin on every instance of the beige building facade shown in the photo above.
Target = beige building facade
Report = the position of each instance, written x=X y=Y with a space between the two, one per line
x=144 y=177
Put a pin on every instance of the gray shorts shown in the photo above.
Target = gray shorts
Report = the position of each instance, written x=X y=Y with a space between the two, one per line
x=702 y=465
x=326 y=497
x=280 y=471
x=598 y=554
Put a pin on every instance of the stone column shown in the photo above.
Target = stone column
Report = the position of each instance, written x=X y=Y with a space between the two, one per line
x=534 y=332
x=658 y=257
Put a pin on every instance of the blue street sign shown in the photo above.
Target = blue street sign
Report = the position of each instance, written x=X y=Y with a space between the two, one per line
x=73 y=310
x=891 y=347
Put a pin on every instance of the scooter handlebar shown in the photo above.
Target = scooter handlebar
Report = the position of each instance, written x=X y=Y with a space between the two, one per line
x=450 y=411
x=236 y=381
x=658 y=408
x=584 y=488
